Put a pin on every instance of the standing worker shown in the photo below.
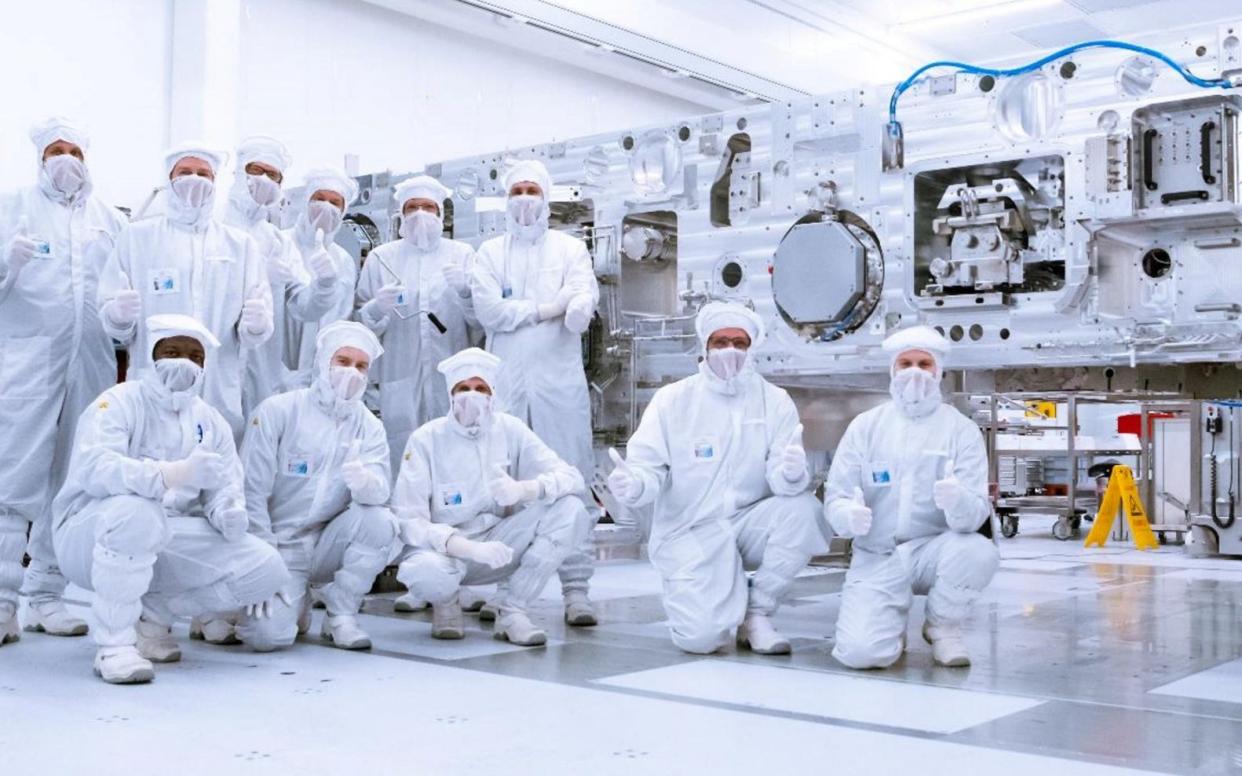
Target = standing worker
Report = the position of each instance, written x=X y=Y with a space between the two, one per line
x=54 y=360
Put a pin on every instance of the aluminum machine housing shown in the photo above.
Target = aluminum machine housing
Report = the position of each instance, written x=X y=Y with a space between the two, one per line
x=1078 y=226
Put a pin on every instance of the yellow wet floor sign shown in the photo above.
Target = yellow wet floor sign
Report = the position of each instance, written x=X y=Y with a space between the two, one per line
x=1122 y=493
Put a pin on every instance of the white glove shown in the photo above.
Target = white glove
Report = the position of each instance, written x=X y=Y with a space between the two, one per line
x=578 y=313
x=494 y=555
x=265 y=609
x=357 y=478
x=21 y=249
x=321 y=263
x=125 y=308
x=280 y=266
x=556 y=308
x=793 y=457
x=858 y=515
x=508 y=491
x=948 y=492
x=231 y=523
x=200 y=470
x=386 y=298
x=622 y=480
x=455 y=278
x=255 y=315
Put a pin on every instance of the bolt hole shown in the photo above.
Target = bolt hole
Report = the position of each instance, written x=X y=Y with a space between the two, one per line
x=976 y=332
x=956 y=333
x=627 y=142
x=683 y=134
x=731 y=275
x=1004 y=334
x=1157 y=263
x=1201 y=51
x=1068 y=69
x=987 y=84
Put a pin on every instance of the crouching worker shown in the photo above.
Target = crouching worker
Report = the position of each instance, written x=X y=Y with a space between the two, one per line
x=909 y=485
x=720 y=454
x=152 y=516
x=482 y=499
x=317 y=480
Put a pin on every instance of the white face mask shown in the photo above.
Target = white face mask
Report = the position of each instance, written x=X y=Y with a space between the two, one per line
x=472 y=408
x=325 y=216
x=525 y=209
x=66 y=173
x=263 y=190
x=422 y=229
x=726 y=363
x=179 y=375
x=347 y=383
x=193 y=191
x=916 y=391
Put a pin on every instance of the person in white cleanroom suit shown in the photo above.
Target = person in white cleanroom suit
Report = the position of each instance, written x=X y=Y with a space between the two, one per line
x=296 y=292
x=482 y=499
x=187 y=262
x=535 y=293
x=402 y=284
x=317 y=482
x=54 y=359
x=328 y=193
x=908 y=484
x=152 y=516
x=720 y=454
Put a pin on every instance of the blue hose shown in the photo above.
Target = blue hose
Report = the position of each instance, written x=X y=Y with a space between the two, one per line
x=1206 y=83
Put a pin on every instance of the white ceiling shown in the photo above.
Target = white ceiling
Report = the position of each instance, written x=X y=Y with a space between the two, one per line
x=718 y=52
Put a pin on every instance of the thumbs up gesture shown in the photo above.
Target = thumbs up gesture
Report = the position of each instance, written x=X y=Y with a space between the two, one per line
x=508 y=491
x=793 y=457
x=321 y=263
x=256 y=314
x=858 y=515
x=21 y=249
x=622 y=481
x=948 y=491
x=357 y=478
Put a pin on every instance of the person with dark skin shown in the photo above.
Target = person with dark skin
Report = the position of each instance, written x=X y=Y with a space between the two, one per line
x=152 y=517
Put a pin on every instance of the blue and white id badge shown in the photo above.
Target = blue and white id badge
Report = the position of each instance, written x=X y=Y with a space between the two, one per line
x=879 y=475
x=705 y=449
x=164 y=281
x=451 y=495
x=297 y=465
x=43 y=248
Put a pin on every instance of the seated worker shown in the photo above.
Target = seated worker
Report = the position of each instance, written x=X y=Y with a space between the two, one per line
x=909 y=485
x=482 y=499
x=317 y=483
x=152 y=516
x=720 y=454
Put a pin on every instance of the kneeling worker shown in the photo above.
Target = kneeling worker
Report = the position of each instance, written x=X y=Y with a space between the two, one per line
x=317 y=480
x=152 y=516
x=482 y=499
x=909 y=485
x=720 y=454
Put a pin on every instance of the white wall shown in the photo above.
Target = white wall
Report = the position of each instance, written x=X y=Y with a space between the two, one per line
x=349 y=77
x=102 y=63
x=328 y=77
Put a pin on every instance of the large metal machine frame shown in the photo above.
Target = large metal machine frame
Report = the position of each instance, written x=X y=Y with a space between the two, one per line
x=1078 y=227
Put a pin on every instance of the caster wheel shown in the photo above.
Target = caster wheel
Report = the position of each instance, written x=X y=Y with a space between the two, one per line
x=1061 y=530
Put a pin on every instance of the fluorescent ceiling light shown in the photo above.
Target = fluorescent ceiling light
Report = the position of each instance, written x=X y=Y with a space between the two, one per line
x=965 y=11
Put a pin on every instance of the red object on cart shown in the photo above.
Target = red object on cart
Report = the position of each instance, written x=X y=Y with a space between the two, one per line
x=1129 y=424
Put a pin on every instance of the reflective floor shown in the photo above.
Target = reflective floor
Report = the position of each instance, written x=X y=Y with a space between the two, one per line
x=1102 y=661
